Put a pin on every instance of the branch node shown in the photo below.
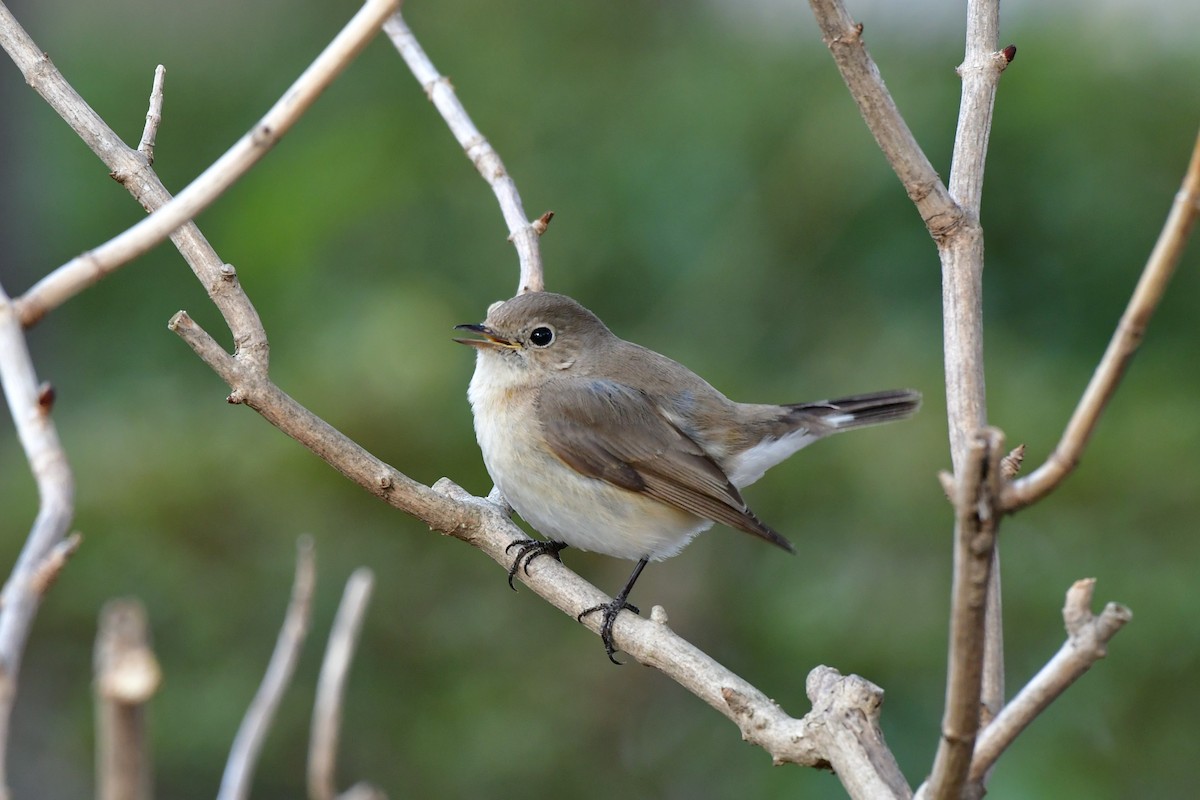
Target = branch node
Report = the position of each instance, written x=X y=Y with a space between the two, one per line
x=946 y=479
x=1010 y=465
x=45 y=397
x=52 y=565
x=228 y=273
x=658 y=615
x=432 y=85
x=541 y=223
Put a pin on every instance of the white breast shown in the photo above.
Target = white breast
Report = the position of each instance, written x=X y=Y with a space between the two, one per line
x=560 y=503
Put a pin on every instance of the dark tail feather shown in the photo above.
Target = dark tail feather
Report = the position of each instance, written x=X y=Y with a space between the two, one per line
x=847 y=413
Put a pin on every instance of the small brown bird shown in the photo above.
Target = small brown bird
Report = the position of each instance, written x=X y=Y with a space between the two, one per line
x=601 y=444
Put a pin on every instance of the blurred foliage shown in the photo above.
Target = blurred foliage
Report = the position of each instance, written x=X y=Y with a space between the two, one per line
x=717 y=199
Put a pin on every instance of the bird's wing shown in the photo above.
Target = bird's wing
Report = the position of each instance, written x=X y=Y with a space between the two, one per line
x=612 y=432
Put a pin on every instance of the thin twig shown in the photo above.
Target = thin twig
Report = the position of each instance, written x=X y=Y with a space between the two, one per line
x=521 y=232
x=331 y=686
x=243 y=755
x=1087 y=637
x=84 y=270
x=127 y=676
x=153 y=115
x=1124 y=343
x=22 y=593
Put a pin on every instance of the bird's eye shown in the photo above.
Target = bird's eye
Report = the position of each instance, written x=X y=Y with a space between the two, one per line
x=541 y=336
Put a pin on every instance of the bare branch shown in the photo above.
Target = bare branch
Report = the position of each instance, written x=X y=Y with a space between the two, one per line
x=243 y=756
x=1124 y=343
x=331 y=686
x=843 y=36
x=251 y=387
x=522 y=233
x=28 y=402
x=1087 y=636
x=127 y=676
x=130 y=169
x=84 y=270
x=974 y=541
x=841 y=730
x=153 y=115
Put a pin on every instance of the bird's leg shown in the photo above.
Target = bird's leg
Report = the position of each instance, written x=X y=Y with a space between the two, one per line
x=612 y=609
x=528 y=550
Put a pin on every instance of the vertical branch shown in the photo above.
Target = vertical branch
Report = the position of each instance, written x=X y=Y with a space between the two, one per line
x=127 y=675
x=30 y=404
x=976 y=522
x=331 y=686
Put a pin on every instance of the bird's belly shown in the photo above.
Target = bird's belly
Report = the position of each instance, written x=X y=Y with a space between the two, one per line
x=563 y=505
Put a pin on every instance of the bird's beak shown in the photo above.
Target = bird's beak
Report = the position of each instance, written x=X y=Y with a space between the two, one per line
x=490 y=338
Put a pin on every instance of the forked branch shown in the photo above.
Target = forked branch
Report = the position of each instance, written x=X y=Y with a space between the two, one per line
x=1087 y=637
x=84 y=270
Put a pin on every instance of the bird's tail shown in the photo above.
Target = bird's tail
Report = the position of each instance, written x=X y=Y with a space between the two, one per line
x=861 y=410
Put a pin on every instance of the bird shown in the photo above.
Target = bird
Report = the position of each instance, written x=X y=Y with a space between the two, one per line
x=606 y=446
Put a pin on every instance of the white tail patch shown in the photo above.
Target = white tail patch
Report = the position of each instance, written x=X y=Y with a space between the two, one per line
x=750 y=465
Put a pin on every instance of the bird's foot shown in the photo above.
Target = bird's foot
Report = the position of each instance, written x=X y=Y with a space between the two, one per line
x=528 y=550
x=611 y=609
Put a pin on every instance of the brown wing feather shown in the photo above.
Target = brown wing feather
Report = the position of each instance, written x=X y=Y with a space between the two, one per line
x=614 y=433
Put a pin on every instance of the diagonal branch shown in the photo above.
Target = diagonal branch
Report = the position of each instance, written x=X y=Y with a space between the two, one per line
x=84 y=270
x=1087 y=637
x=843 y=36
x=523 y=233
x=1124 y=343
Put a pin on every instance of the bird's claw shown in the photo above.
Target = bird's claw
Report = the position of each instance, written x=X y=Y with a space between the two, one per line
x=611 y=609
x=528 y=550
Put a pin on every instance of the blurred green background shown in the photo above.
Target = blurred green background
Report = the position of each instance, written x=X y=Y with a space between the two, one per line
x=718 y=199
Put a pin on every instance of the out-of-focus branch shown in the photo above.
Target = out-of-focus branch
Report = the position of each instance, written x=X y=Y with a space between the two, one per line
x=29 y=403
x=523 y=233
x=331 y=687
x=1124 y=343
x=127 y=676
x=243 y=756
x=1087 y=637
x=84 y=270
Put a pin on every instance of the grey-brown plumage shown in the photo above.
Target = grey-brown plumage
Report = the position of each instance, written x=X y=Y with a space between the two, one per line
x=608 y=446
